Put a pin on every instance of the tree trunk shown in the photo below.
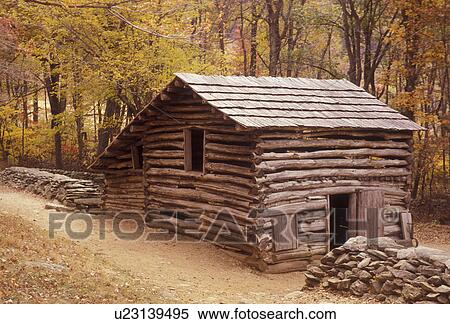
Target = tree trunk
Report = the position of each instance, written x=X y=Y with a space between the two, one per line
x=36 y=107
x=241 y=35
x=105 y=131
x=57 y=106
x=274 y=8
x=253 y=35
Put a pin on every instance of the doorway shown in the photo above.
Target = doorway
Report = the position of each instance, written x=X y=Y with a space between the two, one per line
x=339 y=225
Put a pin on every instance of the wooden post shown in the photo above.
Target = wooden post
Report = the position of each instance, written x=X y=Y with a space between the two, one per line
x=187 y=150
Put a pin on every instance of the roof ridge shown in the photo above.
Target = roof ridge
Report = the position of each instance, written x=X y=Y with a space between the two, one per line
x=256 y=77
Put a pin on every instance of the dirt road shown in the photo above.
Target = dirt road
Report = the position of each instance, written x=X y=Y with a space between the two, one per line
x=179 y=272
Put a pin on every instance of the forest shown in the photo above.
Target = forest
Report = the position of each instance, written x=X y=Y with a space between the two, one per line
x=74 y=72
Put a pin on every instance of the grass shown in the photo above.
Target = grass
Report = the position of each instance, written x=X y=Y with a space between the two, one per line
x=35 y=269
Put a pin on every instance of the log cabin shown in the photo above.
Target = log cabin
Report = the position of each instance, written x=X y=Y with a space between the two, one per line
x=276 y=170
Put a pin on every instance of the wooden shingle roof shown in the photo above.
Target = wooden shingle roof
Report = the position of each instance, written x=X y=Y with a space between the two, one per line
x=290 y=102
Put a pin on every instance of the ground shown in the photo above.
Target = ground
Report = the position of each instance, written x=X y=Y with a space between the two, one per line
x=34 y=268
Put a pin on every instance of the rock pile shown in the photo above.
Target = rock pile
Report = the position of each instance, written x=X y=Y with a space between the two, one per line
x=391 y=272
x=78 y=194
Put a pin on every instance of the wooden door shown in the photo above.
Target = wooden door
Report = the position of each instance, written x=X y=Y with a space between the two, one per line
x=284 y=229
x=370 y=204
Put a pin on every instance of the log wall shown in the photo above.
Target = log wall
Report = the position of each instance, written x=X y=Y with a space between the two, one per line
x=226 y=187
x=297 y=170
x=124 y=189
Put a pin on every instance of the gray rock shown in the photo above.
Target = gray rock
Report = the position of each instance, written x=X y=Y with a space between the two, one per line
x=428 y=271
x=380 y=269
x=425 y=286
x=385 y=275
x=339 y=250
x=447 y=264
x=316 y=271
x=402 y=274
x=348 y=274
x=358 y=243
x=446 y=278
x=443 y=289
x=377 y=263
x=435 y=280
x=328 y=258
x=364 y=276
x=387 y=243
x=405 y=265
x=325 y=267
x=377 y=254
x=343 y=258
x=311 y=280
x=443 y=299
x=411 y=293
x=380 y=297
x=432 y=296
x=333 y=282
x=344 y=284
x=376 y=285
x=388 y=288
x=409 y=253
x=359 y=288
x=364 y=263
x=350 y=264
x=399 y=283
x=391 y=252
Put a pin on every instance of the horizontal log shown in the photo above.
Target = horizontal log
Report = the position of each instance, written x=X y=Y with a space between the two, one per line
x=299 y=134
x=279 y=165
x=239 y=138
x=166 y=163
x=164 y=154
x=310 y=215
x=213 y=156
x=120 y=165
x=226 y=225
x=236 y=193
x=164 y=144
x=201 y=177
x=197 y=195
x=188 y=204
x=290 y=175
x=295 y=208
x=313 y=237
x=225 y=148
x=302 y=253
x=177 y=136
x=328 y=143
x=312 y=226
x=332 y=153
x=364 y=134
x=228 y=169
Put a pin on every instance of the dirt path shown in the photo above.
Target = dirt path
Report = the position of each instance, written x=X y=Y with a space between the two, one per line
x=180 y=272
